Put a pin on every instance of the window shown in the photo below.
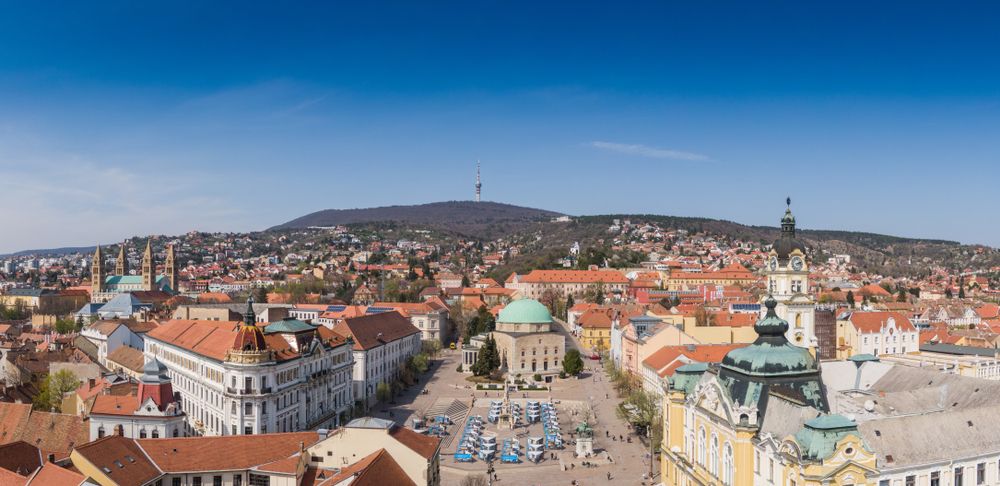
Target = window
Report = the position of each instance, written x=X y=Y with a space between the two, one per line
x=248 y=408
x=936 y=478
x=216 y=480
x=728 y=470
x=911 y=480
x=196 y=481
x=237 y=480
x=259 y=480
x=713 y=464
x=958 y=477
x=155 y=434
x=884 y=482
x=981 y=473
x=701 y=447
x=100 y=432
x=142 y=434
x=176 y=482
x=247 y=430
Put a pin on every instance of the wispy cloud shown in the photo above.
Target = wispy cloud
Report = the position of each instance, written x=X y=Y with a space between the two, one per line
x=647 y=151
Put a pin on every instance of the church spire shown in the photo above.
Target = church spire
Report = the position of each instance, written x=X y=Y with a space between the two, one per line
x=788 y=220
x=121 y=266
x=96 y=274
x=170 y=268
x=148 y=267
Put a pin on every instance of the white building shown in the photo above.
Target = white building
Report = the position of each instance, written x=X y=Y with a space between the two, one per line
x=109 y=336
x=879 y=333
x=151 y=412
x=418 y=455
x=430 y=316
x=239 y=378
x=381 y=343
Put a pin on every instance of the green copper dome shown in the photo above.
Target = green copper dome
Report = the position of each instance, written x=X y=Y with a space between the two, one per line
x=525 y=311
x=771 y=354
x=818 y=439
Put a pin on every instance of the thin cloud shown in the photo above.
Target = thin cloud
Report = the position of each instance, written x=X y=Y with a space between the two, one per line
x=646 y=151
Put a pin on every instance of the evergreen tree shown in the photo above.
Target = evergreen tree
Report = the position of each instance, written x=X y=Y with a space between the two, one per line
x=850 y=298
x=572 y=362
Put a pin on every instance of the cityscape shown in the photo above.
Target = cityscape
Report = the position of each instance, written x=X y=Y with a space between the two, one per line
x=448 y=245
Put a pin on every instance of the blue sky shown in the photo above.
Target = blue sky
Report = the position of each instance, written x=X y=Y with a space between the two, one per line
x=134 y=118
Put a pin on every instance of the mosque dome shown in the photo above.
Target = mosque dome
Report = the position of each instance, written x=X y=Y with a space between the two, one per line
x=525 y=311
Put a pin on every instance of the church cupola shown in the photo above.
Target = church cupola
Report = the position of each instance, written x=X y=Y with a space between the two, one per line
x=249 y=346
x=788 y=221
x=786 y=244
x=155 y=384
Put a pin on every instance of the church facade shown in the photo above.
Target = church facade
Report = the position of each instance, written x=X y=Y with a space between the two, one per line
x=104 y=286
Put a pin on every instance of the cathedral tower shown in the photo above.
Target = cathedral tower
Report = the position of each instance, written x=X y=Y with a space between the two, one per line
x=170 y=269
x=148 y=267
x=121 y=266
x=788 y=282
x=96 y=275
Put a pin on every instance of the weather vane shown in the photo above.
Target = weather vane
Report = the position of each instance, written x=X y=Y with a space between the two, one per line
x=788 y=201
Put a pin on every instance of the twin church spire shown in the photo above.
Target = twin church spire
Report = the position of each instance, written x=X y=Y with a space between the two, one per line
x=101 y=282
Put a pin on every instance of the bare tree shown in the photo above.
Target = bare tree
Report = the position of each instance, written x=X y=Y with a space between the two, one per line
x=477 y=480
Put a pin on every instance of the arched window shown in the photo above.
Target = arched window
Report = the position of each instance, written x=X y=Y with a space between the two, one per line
x=155 y=434
x=701 y=446
x=713 y=465
x=100 y=432
x=142 y=433
x=728 y=470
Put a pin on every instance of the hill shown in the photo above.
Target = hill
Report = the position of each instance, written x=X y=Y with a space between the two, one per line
x=482 y=219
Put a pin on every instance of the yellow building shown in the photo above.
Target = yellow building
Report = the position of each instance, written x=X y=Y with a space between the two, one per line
x=759 y=417
x=595 y=329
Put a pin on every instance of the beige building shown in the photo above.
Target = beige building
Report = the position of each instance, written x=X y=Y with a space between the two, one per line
x=417 y=454
x=567 y=282
x=231 y=312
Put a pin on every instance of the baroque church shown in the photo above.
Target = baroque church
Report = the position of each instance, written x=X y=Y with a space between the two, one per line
x=105 y=287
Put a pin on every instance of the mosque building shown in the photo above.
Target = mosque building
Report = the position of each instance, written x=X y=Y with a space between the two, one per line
x=525 y=340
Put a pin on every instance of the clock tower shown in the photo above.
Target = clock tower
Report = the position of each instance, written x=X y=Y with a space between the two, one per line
x=788 y=282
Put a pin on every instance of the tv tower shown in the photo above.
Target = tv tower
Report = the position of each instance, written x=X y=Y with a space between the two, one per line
x=479 y=182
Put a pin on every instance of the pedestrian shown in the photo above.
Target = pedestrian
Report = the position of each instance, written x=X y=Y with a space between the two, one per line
x=620 y=439
x=607 y=434
x=609 y=475
x=605 y=395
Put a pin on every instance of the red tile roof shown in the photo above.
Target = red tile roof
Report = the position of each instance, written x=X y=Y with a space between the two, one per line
x=425 y=445
x=191 y=454
x=574 y=276
x=121 y=459
x=872 y=322
x=698 y=353
x=375 y=469
x=376 y=329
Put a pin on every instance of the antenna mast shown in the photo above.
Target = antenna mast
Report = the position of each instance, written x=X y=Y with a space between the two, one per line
x=479 y=182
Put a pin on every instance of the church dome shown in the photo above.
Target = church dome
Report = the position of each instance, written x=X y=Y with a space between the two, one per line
x=787 y=243
x=771 y=354
x=249 y=337
x=525 y=311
